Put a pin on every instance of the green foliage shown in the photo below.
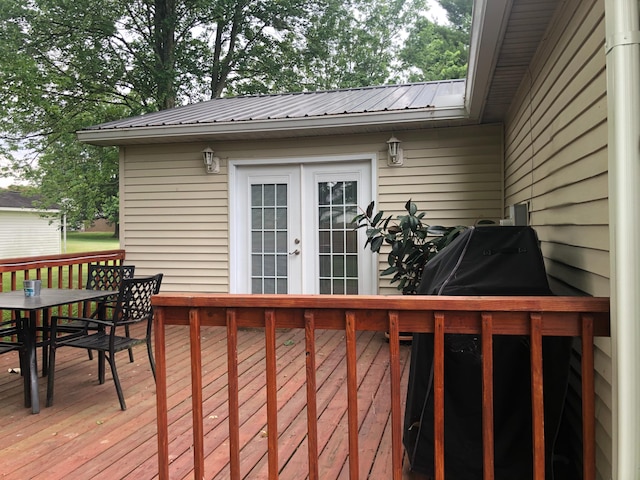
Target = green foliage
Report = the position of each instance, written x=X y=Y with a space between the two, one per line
x=439 y=52
x=69 y=64
x=412 y=242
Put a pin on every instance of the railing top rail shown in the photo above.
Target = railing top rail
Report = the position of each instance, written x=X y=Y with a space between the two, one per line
x=390 y=302
x=45 y=261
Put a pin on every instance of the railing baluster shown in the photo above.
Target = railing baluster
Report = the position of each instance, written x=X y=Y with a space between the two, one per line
x=588 y=403
x=537 y=397
x=272 y=394
x=438 y=394
x=312 y=408
x=487 y=396
x=352 y=395
x=396 y=418
x=234 y=403
x=161 y=394
x=196 y=392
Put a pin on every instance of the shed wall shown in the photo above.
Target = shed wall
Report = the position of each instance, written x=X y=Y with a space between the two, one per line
x=27 y=234
x=556 y=162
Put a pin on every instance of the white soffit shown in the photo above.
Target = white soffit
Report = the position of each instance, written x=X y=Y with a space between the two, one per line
x=489 y=23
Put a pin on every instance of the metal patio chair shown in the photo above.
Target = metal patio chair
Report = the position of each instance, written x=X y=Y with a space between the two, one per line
x=132 y=306
x=99 y=277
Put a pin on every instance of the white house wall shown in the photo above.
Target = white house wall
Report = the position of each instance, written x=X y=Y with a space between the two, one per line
x=556 y=161
x=27 y=234
x=175 y=217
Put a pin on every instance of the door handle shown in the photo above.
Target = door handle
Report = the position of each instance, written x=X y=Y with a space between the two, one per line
x=297 y=250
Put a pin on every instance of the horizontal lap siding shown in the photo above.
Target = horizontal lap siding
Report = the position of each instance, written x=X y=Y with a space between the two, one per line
x=452 y=174
x=556 y=161
x=175 y=219
x=28 y=234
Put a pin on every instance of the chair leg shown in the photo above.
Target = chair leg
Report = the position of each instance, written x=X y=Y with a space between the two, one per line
x=101 y=357
x=116 y=380
x=151 y=359
x=126 y=331
x=90 y=352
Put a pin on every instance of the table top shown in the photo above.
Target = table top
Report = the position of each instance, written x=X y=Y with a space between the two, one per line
x=49 y=297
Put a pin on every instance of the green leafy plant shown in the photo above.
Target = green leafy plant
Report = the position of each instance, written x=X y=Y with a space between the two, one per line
x=413 y=242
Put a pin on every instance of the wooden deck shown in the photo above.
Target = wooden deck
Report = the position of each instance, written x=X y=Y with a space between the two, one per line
x=85 y=435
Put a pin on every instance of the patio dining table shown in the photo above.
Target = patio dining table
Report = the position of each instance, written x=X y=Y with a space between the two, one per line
x=49 y=297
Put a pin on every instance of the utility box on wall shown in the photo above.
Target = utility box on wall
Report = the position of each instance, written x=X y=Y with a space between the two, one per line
x=519 y=214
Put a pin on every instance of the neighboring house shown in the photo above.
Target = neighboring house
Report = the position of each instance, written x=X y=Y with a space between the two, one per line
x=25 y=231
x=547 y=118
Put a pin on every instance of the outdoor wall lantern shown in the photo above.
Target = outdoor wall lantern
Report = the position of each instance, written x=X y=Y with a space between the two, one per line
x=211 y=162
x=395 y=152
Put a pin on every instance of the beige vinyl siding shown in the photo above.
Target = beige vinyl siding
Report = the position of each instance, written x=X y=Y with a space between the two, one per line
x=175 y=217
x=556 y=161
x=28 y=234
x=453 y=174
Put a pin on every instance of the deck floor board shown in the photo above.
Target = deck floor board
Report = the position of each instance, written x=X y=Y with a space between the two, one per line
x=85 y=435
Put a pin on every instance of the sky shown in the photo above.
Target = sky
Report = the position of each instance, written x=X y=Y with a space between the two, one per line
x=436 y=12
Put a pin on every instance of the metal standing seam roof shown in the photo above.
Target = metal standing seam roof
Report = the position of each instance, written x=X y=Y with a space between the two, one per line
x=344 y=102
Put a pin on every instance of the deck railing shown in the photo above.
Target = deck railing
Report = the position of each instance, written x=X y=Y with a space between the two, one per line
x=55 y=271
x=535 y=317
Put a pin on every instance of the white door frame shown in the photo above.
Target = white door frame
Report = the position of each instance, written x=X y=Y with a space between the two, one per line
x=236 y=264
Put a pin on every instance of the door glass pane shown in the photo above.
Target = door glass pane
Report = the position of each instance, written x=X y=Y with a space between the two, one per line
x=269 y=259
x=336 y=239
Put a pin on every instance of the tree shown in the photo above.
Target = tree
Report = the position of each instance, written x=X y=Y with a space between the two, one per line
x=67 y=64
x=439 y=52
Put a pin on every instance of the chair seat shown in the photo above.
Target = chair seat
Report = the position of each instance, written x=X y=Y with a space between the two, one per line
x=100 y=341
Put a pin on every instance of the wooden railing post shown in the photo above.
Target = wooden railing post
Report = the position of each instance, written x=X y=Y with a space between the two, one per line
x=352 y=395
x=196 y=392
x=396 y=418
x=272 y=393
x=537 y=396
x=487 y=396
x=312 y=408
x=233 y=389
x=438 y=394
x=161 y=393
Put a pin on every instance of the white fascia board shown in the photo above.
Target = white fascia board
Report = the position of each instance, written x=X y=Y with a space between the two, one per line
x=488 y=26
x=123 y=136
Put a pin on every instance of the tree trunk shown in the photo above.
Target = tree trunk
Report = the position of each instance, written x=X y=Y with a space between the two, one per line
x=164 y=37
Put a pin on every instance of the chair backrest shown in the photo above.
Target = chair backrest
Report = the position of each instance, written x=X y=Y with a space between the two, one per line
x=134 y=299
x=108 y=277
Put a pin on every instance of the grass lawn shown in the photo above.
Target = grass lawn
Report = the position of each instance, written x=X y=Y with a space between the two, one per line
x=78 y=242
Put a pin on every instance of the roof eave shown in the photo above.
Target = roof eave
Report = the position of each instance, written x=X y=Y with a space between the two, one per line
x=28 y=210
x=489 y=23
x=187 y=132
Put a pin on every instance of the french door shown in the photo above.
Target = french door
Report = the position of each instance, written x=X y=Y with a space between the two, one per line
x=292 y=230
